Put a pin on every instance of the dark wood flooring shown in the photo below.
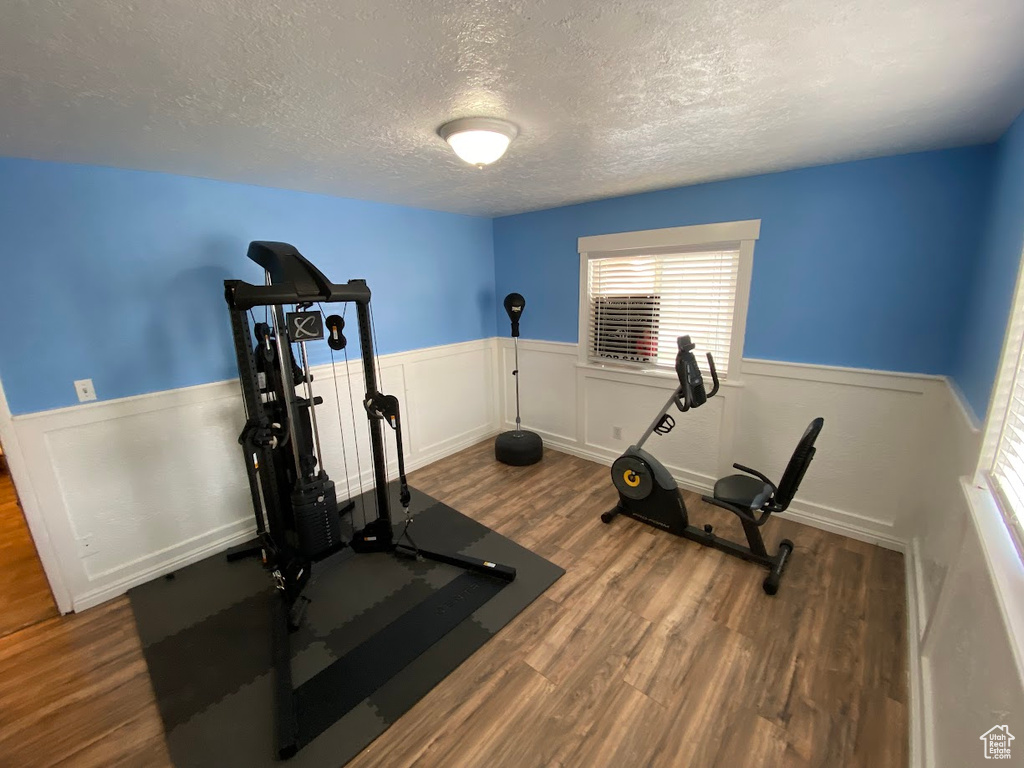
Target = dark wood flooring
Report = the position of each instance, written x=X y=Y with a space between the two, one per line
x=650 y=651
x=25 y=596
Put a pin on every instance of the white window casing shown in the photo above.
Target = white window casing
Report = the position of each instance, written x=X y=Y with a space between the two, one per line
x=1001 y=463
x=639 y=291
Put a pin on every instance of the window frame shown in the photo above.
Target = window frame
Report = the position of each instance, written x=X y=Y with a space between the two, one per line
x=1011 y=366
x=735 y=235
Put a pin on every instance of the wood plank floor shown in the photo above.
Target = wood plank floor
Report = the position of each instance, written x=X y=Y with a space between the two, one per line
x=24 y=592
x=650 y=651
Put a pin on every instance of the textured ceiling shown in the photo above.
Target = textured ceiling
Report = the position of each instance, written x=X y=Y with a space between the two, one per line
x=611 y=97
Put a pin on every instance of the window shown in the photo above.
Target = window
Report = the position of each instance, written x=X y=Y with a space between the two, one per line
x=640 y=291
x=640 y=305
x=1002 y=458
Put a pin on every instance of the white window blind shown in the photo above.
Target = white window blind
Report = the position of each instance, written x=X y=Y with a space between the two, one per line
x=640 y=305
x=1007 y=468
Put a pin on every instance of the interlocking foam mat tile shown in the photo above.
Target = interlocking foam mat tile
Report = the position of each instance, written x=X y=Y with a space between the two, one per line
x=207 y=639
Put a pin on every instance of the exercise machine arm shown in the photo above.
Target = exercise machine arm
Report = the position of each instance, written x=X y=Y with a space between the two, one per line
x=386 y=408
x=756 y=474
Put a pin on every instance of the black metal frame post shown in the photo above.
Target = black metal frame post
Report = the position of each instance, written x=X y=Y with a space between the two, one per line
x=256 y=413
x=265 y=498
x=515 y=373
x=286 y=715
x=376 y=436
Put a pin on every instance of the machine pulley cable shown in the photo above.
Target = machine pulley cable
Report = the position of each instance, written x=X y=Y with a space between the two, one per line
x=337 y=401
x=355 y=438
x=380 y=379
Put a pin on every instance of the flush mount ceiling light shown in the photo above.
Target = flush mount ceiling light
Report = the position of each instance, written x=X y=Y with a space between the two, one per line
x=478 y=140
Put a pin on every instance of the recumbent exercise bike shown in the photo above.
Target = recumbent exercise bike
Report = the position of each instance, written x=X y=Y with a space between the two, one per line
x=648 y=492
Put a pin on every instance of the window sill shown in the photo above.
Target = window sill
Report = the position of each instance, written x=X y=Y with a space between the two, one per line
x=659 y=377
x=1004 y=562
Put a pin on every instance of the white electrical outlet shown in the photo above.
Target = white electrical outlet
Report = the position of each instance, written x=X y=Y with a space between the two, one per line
x=616 y=433
x=86 y=391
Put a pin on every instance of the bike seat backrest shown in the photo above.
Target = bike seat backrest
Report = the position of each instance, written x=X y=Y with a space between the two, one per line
x=690 y=378
x=798 y=464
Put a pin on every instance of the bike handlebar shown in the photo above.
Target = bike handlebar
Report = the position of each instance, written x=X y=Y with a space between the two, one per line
x=714 y=376
x=691 y=392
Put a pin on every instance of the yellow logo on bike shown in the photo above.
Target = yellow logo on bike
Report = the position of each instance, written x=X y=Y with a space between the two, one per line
x=632 y=478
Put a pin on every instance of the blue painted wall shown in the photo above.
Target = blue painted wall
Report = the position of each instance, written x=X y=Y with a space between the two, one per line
x=117 y=275
x=991 y=294
x=861 y=264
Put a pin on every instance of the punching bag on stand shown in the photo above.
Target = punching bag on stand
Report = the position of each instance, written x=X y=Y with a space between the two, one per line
x=519 y=447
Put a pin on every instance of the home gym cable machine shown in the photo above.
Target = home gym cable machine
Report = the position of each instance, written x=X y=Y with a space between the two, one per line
x=298 y=517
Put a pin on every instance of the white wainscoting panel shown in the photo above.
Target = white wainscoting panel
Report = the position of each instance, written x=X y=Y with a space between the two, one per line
x=451 y=391
x=888 y=471
x=127 y=490
x=865 y=479
x=134 y=488
x=966 y=670
x=161 y=474
x=954 y=442
x=547 y=385
x=630 y=403
x=971 y=677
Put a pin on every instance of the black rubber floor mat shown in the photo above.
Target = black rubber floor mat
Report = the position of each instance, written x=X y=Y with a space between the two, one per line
x=206 y=638
x=335 y=691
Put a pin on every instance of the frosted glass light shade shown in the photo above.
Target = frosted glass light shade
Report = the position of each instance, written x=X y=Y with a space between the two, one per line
x=479 y=147
x=478 y=140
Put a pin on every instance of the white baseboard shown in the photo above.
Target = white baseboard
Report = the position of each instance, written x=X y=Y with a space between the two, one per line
x=849 y=524
x=196 y=549
x=916 y=698
x=814 y=515
x=870 y=459
x=699 y=483
x=450 y=447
